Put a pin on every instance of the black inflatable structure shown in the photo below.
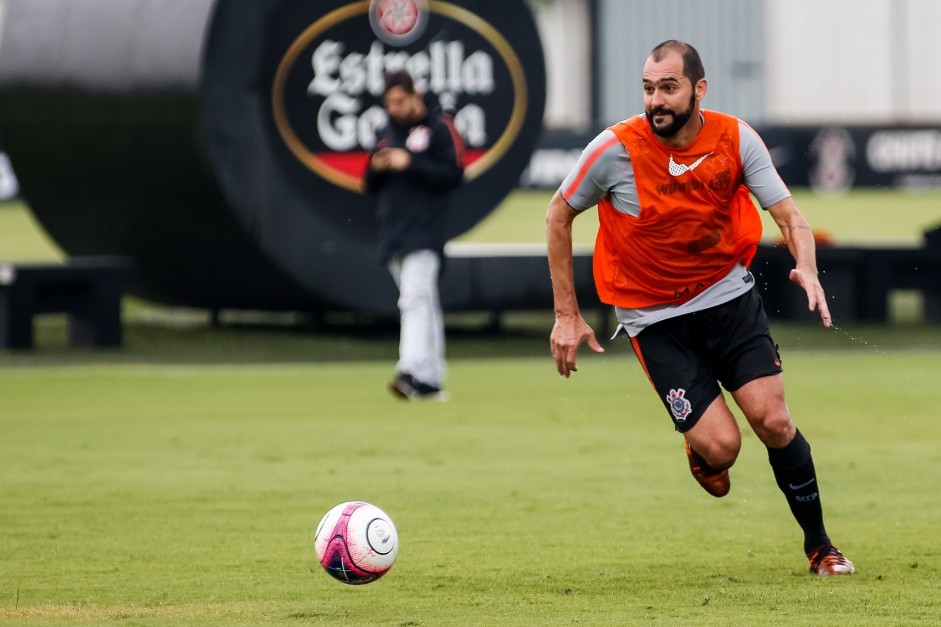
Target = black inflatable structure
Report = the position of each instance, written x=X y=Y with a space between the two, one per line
x=200 y=138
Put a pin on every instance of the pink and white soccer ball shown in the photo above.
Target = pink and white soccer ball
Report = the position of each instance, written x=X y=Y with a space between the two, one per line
x=356 y=542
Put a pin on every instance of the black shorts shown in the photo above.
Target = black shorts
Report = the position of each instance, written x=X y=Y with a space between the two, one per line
x=687 y=357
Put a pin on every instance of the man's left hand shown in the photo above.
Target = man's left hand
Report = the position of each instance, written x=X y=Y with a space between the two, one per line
x=816 y=298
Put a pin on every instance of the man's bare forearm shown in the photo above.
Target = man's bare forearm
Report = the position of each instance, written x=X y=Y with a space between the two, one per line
x=559 y=248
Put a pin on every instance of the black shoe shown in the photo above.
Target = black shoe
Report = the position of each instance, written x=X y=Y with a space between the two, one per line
x=407 y=387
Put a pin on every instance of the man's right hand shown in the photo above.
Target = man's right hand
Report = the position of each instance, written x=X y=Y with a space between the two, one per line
x=568 y=333
x=378 y=162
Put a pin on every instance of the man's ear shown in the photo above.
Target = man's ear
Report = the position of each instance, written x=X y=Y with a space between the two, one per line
x=702 y=86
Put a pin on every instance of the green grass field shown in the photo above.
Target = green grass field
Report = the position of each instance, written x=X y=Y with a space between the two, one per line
x=168 y=495
x=178 y=480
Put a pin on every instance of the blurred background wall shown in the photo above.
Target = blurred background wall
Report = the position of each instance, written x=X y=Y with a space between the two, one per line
x=844 y=92
x=767 y=61
x=771 y=62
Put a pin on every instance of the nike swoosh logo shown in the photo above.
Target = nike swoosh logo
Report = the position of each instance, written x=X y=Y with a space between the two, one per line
x=803 y=485
x=679 y=169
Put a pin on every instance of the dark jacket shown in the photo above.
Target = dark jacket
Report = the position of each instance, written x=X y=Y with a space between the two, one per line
x=412 y=204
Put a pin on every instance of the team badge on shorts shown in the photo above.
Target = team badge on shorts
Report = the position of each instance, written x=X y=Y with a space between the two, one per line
x=679 y=405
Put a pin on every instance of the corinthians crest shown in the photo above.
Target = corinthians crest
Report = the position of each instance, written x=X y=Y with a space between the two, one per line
x=679 y=404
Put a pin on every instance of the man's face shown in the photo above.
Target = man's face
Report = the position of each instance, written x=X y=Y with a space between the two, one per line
x=669 y=98
x=402 y=107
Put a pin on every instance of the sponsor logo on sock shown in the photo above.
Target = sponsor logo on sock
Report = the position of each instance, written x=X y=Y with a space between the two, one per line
x=803 y=485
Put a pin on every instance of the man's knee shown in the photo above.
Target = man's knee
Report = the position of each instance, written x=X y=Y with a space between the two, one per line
x=762 y=402
x=716 y=436
x=774 y=427
x=416 y=298
x=721 y=450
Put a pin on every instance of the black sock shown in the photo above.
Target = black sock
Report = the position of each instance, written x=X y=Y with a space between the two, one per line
x=794 y=472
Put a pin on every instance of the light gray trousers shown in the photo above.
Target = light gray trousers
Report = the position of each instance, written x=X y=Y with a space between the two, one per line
x=421 y=339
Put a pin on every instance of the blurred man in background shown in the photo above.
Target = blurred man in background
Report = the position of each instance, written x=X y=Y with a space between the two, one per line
x=677 y=232
x=417 y=162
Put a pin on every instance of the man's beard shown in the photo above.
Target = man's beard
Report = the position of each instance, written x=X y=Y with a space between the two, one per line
x=679 y=119
x=407 y=119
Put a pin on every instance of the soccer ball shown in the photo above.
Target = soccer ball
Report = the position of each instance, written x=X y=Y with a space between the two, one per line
x=356 y=542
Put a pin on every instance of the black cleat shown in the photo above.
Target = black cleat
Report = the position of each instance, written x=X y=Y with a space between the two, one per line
x=407 y=387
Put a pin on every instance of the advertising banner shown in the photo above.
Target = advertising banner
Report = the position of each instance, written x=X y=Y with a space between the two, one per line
x=831 y=159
